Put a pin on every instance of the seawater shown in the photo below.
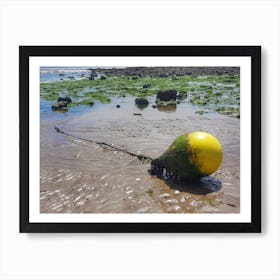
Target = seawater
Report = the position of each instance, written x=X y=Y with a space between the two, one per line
x=52 y=74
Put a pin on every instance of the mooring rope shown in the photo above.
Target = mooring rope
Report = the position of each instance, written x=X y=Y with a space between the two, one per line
x=139 y=156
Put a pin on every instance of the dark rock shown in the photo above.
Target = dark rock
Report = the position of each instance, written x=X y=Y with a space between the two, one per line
x=91 y=78
x=59 y=105
x=135 y=72
x=118 y=106
x=154 y=106
x=146 y=85
x=167 y=95
x=137 y=114
x=141 y=101
x=93 y=74
x=103 y=77
x=67 y=99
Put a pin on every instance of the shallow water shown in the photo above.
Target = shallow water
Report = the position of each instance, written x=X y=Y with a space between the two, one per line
x=78 y=176
x=51 y=74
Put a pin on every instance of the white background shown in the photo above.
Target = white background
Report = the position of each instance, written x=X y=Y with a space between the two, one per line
x=139 y=256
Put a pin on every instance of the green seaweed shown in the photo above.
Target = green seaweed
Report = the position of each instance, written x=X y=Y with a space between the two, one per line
x=211 y=92
x=232 y=111
x=175 y=160
x=87 y=102
x=200 y=112
x=149 y=192
x=211 y=202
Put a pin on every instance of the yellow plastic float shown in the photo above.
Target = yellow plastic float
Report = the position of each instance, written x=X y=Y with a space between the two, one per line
x=190 y=156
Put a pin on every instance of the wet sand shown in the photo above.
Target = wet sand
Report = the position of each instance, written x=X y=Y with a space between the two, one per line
x=79 y=176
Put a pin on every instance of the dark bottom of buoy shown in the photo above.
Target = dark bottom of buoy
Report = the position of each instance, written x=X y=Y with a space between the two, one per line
x=164 y=173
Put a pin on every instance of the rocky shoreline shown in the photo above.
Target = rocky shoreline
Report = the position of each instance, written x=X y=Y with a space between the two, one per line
x=166 y=71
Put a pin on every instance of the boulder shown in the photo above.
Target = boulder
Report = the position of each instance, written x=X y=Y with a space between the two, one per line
x=93 y=74
x=59 y=105
x=167 y=95
x=146 y=85
x=67 y=99
x=141 y=101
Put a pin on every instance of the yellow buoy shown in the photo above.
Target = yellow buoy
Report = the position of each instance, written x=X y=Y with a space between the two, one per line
x=190 y=156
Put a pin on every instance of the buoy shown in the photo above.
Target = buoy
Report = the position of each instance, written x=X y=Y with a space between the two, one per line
x=191 y=156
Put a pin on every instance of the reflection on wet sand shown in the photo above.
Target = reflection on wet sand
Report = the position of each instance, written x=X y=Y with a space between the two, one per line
x=170 y=108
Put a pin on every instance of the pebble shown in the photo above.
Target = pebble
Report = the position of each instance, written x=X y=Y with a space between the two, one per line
x=183 y=199
x=177 y=207
x=57 y=207
x=164 y=195
x=172 y=201
x=193 y=203
x=77 y=198
x=176 y=192
x=89 y=196
x=80 y=203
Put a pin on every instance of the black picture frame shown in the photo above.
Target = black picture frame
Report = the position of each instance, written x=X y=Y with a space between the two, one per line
x=254 y=52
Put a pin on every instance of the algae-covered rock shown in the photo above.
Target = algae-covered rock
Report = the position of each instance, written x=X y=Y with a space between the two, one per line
x=146 y=85
x=59 y=105
x=190 y=156
x=67 y=99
